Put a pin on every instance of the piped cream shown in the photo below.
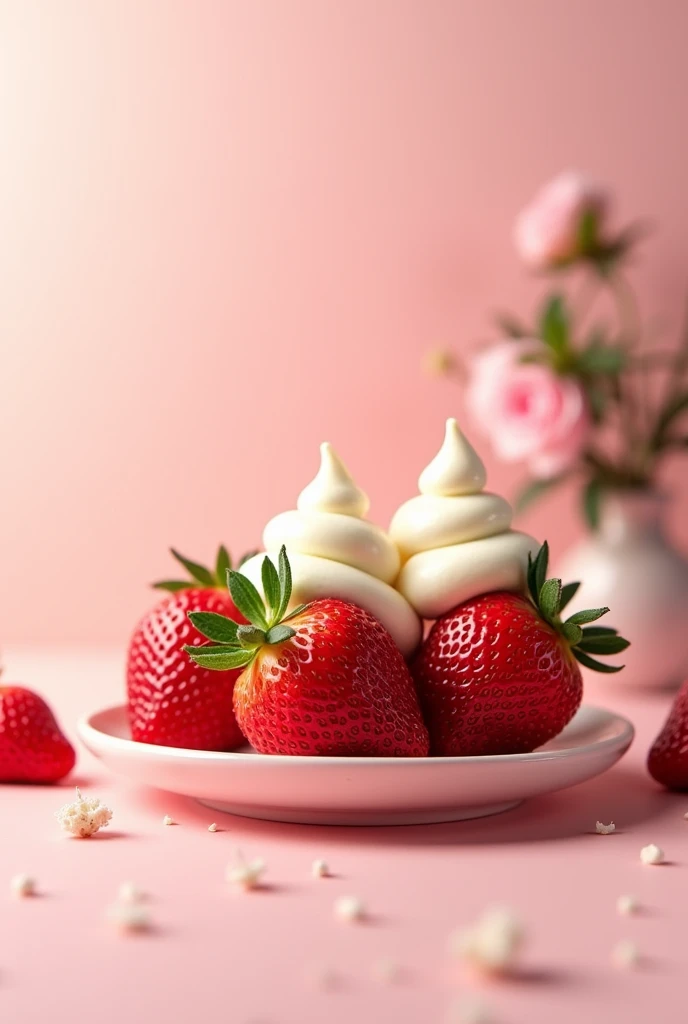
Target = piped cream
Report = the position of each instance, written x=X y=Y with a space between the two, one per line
x=454 y=538
x=335 y=552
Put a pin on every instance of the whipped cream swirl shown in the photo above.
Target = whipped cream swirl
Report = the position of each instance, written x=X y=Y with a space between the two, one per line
x=455 y=538
x=335 y=552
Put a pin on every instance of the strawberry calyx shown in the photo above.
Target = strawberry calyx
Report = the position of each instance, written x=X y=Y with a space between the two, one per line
x=199 y=575
x=234 y=645
x=551 y=598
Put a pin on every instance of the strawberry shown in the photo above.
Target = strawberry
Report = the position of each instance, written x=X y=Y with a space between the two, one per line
x=171 y=701
x=32 y=746
x=499 y=674
x=668 y=758
x=323 y=679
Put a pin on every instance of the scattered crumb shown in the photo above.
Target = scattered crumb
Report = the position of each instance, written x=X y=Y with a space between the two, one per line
x=387 y=971
x=626 y=954
x=627 y=905
x=84 y=817
x=168 y=821
x=212 y=827
x=23 y=885
x=605 y=830
x=320 y=869
x=652 y=854
x=349 y=908
x=321 y=977
x=129 y=917
x=245 y=874
x=129 y=892
x=491 y=945
x=469 y=1011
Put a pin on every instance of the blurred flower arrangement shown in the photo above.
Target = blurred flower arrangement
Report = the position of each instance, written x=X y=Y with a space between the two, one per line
x=566 y=394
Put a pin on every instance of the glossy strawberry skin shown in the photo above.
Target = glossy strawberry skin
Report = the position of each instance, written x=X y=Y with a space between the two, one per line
x=494 y=678
x=32 y=746
x=339 y=687
x=668 y=758
x=171 y=701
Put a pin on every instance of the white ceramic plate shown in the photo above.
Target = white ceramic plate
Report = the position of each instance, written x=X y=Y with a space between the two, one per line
x=362 y=790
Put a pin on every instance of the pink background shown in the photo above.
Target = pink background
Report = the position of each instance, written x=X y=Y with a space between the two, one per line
x=230 y=230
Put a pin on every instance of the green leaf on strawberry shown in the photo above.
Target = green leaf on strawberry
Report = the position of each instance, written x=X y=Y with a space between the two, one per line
x=550 y=598
x=195 y=570
x=568 y=592
x=215 y=627
x=199 y=575
x=223 y=563
x=237 y=645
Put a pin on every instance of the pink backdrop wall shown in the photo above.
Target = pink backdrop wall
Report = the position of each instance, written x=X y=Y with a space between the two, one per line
x=229 y=230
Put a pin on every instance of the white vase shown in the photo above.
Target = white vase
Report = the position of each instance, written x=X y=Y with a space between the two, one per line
x=631 y=567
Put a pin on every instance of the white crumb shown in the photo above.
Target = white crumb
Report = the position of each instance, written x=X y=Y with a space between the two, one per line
x=386 y=971
x=492 y=945
x=469 y=1011
x=167 y=820
x=129 y=917
x=652 y=854
x=84 y=817
x=349 y=908
x=320 y=869
x=212 y=827
x=627 y=905
x=626 y=954
x=245 y=874
x=129 y=892
x=322 y=977
x=23 y=885
x=605 y=830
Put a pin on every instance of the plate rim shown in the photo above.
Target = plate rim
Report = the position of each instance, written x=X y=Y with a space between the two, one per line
x=86 y=729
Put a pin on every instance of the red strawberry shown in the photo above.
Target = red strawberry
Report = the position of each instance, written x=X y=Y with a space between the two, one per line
x=499 y=674
x=171 y=701
x=668 y=758
x=325 y=679
x=32 y=747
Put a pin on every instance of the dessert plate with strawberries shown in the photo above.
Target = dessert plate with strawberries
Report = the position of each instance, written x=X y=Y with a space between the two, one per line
x=302 y=688
x=362 y=790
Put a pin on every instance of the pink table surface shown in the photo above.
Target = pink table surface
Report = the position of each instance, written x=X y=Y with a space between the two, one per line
x=248 y=958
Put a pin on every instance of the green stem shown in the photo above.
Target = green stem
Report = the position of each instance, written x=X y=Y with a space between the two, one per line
x=634 y=413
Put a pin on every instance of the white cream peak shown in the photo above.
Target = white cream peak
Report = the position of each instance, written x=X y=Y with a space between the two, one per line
x=333 y=489
x=456 y=469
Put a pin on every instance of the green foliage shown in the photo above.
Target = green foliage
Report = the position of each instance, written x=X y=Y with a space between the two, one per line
x=199 y=575
x=234 y=645
x=215 y=627
x=510 y=326
x=197 y=572
x=592 y=501
x=550 y=598
x=554 y=324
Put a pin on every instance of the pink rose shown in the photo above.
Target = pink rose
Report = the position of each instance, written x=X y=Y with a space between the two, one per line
x=528 y=412
x=547 y=232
